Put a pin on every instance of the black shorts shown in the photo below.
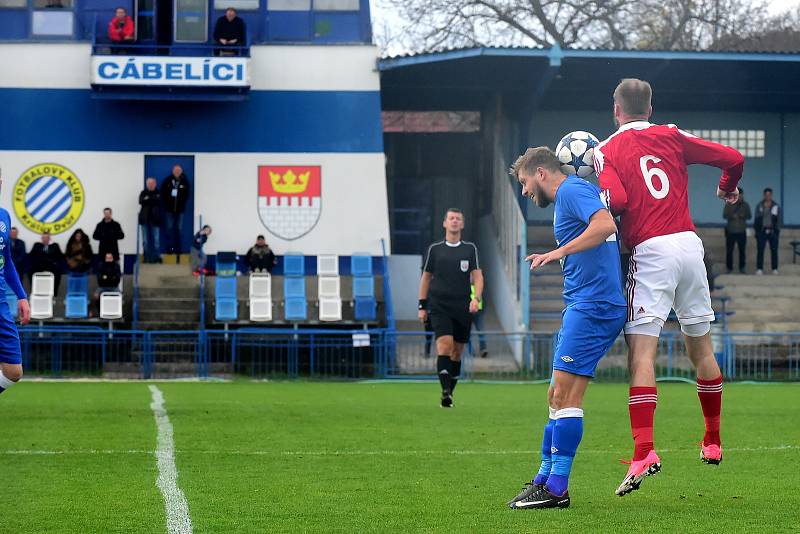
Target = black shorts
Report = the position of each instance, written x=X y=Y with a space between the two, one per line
x=451 y=321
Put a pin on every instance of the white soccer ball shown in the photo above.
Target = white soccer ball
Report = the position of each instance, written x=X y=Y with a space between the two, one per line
x=575 y=151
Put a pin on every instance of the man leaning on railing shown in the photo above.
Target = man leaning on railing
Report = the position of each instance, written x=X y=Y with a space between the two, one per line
x=230 y=31
x=121 y=30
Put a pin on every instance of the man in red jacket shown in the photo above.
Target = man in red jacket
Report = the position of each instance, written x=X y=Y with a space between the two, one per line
x=120 y=29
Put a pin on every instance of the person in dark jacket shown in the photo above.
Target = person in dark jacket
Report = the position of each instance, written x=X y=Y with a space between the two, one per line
x=150 y=221
x=47 y=257
x=767 y=224
x=109 y=276
x=260 y=257
x=108 y=232
x=79 y=253
x=230 y=31
x=18 y=251
x=175 y=191
x=737 y=215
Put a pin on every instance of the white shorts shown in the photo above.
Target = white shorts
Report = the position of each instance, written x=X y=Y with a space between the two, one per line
x=668 y=272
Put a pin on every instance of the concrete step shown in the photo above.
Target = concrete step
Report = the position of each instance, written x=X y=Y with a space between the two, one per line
x=776 y=304
x=779 y=281
x=168 y=292
x=763 y=326
x=549 y=306
x=183 y=315
x=169 y=325
x=169 y=304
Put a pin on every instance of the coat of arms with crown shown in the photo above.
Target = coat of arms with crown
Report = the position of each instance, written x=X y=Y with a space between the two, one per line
x=289 y=199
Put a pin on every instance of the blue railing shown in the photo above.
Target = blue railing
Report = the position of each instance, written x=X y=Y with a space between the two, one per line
x=371 y=353
x=135 y=321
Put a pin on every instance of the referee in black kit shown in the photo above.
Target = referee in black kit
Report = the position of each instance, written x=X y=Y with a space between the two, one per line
x=444 y=289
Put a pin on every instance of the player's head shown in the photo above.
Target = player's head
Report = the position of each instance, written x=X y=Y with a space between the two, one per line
x=768 y=194
x=453 y=220
x=537 y=170
x=632 y=99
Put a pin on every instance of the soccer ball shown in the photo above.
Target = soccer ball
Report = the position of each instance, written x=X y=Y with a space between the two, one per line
x=575 y=151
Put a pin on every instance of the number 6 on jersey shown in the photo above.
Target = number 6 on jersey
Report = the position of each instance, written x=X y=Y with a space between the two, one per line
x=655 y=171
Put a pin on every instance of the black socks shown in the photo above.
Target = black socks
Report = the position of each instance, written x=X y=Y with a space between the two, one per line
x=443 y=370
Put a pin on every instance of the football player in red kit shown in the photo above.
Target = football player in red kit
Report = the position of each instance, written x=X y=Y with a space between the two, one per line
x=643 y=169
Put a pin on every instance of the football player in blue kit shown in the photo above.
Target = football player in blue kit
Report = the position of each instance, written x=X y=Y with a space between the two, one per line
x=10 y=353
x=594 y=313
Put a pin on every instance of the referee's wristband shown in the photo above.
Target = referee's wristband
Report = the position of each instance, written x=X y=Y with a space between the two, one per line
x=423 y=304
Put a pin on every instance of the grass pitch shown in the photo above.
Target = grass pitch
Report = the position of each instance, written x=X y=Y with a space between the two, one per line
x=360 y=457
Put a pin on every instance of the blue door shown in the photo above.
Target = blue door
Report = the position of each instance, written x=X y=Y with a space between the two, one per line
x=160 y=168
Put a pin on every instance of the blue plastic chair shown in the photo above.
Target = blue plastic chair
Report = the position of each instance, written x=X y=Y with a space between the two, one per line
x=294 y=287
x=77 y=284
x=296 y=309
x=294 y=265
x=361 y=265
x=366 y=309
x=227 y=309
x=363 y=287
x=226 y=264
x=77 y=307
x=226 y=287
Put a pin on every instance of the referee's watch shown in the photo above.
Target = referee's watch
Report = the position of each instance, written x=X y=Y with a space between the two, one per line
x=423 y=304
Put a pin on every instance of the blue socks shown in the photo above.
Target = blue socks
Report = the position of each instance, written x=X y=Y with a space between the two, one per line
x=567 y=436
x=547 y=440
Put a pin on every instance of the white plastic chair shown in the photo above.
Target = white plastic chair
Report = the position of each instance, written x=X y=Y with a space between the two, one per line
x=43 y=284
x=330 y=309
x=328 y=287
x=260 y=309
x=260 y=285
x=328 y=265
x=111 y=305
x=41 y=306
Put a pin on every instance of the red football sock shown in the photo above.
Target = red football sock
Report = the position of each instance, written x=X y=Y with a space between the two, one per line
x=642 y=407
x=710 y=393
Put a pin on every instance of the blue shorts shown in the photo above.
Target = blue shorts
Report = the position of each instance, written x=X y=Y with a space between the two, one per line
x=588 y=330
x=9 y=337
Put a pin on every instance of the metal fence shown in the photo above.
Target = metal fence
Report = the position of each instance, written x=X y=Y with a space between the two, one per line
x=358 y=354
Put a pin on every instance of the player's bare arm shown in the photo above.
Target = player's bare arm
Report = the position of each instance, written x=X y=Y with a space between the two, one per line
x=601 y=226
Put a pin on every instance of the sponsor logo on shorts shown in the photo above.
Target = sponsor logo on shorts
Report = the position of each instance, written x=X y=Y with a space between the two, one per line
x=641 y=310
x=553 y=450
x=567 y=359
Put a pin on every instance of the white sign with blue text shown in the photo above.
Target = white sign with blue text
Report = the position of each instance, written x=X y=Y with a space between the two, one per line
x=171 y=71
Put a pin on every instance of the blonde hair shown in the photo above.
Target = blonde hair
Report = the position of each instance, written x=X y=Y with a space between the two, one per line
x=633 y=96
x=540 y=156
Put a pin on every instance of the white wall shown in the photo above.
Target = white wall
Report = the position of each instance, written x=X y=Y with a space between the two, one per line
x=354 y=214
x=272 y=68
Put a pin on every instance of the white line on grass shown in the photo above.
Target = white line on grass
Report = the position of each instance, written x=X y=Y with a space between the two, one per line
x=24 y=452
x=178 y=520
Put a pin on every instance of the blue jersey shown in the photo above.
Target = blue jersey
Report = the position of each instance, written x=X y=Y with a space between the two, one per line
x=593 y=275
x=9 y=279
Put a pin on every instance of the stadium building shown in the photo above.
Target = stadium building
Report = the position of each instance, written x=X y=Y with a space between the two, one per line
x=305 y=135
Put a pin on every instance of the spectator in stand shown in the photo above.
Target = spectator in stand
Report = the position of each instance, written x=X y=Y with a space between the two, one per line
x=260 y=257
x=198 y=256
x=108 y=279
x=47 y=257
x=79 y=253
x=174 y=194
x=767 y=226
x=230 y=31
x=18 y=252
x=108 y=232
x=150 y=220
x=121 y=30
x=737 y=215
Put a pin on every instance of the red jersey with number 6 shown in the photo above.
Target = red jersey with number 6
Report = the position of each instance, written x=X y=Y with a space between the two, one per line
x=643 y=169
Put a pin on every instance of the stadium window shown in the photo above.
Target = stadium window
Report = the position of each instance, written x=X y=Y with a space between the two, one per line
x=191 y=21
x=751 y=143
x=53 y=23
x=52 y=4
x=13 y=4
x=241 y=5
x=289 y=5
x=336 y=5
